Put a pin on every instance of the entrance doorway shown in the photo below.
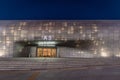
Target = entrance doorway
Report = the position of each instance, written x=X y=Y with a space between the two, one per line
x=46 y=52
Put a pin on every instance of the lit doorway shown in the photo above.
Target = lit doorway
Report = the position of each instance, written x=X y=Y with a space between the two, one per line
x=46 y=52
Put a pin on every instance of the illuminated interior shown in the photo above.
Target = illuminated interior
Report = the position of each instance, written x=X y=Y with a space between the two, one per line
x=46 y=52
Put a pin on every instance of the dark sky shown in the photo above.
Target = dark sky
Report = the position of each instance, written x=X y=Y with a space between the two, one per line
x=60 y=9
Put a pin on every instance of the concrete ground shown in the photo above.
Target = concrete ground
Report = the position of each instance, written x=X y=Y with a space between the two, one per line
x=81 y=73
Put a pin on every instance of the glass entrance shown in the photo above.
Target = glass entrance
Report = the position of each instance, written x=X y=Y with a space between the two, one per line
x=46 y=52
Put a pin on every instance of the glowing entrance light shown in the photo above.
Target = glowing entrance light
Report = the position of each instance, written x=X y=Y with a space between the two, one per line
x=2 y=53
x=117 y=55
x=104 y=53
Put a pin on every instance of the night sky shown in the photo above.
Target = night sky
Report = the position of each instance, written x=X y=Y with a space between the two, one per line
x=60 y=9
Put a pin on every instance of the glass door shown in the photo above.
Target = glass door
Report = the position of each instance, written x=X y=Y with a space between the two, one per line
x=46 y=52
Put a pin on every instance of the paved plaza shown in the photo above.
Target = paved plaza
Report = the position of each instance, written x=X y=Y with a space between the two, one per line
x=83 y=73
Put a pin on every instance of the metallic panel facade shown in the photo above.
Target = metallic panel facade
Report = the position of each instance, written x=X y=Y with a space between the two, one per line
x=105 y=36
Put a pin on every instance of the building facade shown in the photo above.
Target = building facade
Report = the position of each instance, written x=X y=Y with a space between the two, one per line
x=60 y=38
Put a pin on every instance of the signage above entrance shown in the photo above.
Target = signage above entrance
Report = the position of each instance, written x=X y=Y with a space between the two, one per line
x=45 y=37
x=46 y=43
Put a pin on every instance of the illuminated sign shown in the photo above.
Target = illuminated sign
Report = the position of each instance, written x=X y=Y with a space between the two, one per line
x=45 y=37
x=46 y=43
x=49 y=37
